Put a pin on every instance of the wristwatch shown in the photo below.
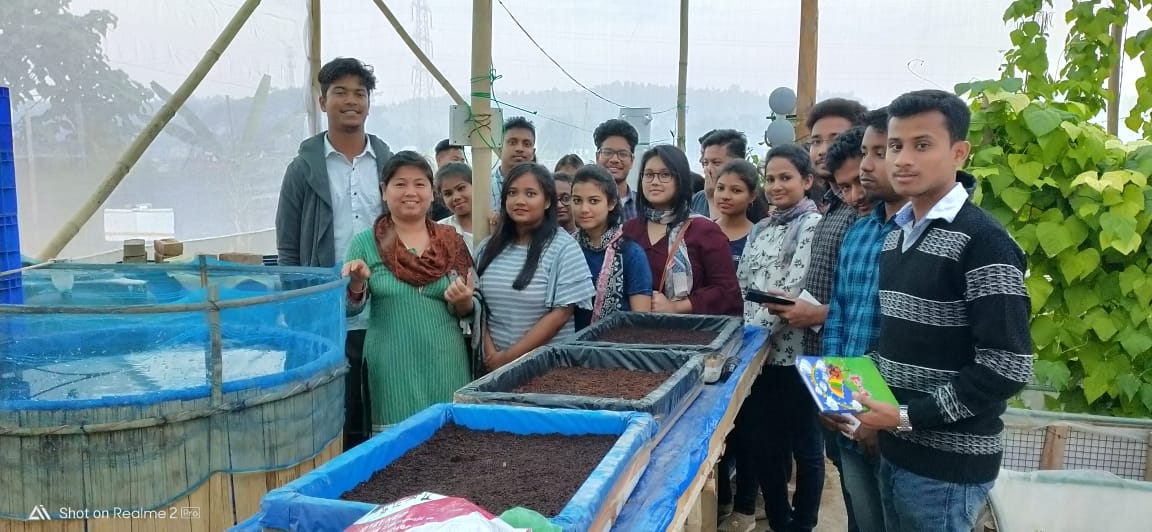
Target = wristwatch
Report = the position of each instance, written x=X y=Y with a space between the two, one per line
x=904 y=424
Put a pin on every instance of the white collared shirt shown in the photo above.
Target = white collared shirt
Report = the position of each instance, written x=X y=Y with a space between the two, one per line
x=356 y=203
x=947 y=209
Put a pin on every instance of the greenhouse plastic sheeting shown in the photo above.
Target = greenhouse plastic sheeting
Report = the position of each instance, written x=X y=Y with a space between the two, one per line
x=728 y=330
x=1024 y=501
x=311 y=503
x=677 y=458
x=684 y=384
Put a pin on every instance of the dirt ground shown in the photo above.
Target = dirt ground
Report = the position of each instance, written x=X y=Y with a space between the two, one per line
x=833 y=517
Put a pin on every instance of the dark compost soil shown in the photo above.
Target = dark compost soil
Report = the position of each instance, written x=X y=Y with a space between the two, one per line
x=494 y=470
x=652 y=335
x=596 y=382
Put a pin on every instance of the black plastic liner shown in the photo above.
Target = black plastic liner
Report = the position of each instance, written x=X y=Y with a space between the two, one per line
x=729 y=329
x=683 y=385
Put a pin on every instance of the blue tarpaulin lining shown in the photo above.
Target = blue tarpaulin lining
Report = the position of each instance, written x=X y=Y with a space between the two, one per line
x=680 y=453
x=311 y=503
x=252 y=524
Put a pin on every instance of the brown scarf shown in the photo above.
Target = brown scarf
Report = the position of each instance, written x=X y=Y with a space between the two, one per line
x=446 y=252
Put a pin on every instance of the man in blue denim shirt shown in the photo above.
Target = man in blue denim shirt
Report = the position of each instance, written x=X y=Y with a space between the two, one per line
x=853 y=324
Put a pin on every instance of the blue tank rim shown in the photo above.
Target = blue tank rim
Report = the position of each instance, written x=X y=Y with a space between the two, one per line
x=335 y=282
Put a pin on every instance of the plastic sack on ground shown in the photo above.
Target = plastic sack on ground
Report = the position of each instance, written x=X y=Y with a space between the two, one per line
x=666 y=401
x=430 y=512
x=728 y=329
x=311 y=503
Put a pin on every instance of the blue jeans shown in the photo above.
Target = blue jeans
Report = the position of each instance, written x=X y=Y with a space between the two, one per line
x=860 y=475
x=913 y=503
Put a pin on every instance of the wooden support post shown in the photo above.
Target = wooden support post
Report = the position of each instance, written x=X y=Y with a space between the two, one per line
x=682 y=79
x=216 y=347
x=144 y=139
x=1052 y=454
x=806 y=73
x=420 y=55
x=1113 y=122
x=481 y=137
x=314 y=60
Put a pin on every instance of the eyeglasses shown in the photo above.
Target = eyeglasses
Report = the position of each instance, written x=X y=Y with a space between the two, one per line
x=564 y=199
x=607 y=154
x=663 y=177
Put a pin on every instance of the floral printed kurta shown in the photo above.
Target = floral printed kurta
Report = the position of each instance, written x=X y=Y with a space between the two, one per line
x=763 y=268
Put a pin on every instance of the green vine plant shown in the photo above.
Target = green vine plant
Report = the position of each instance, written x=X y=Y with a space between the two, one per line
x=1079 y=202
x=1089 y=54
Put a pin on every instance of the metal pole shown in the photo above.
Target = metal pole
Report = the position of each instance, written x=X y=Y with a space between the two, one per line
x=314 y=66
x=132 y=154
x=806 y=74
x=420 y=53
x=481 y=136
x=682 y=78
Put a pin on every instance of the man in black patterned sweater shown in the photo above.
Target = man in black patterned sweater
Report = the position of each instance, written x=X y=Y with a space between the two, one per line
x=954 y=337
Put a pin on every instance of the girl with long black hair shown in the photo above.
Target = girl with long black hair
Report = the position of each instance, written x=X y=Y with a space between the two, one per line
x=532 y=274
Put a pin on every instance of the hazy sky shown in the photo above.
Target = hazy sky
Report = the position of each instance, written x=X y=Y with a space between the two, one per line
x=875 y=49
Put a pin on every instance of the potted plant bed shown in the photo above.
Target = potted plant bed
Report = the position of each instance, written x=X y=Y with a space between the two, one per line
x=577 y=467
x=680 y=332
x=658 y=382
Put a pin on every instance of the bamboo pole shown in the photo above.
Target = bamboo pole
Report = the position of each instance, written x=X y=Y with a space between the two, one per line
x=215 y=353
x=132 y=154
x=314 y=65
x=424 y=60
x=806 y=71
x=682 y=78
x=1113 y=122
x=481 y=136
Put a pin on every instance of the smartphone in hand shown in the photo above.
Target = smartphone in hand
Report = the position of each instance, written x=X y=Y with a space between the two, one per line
x=757 y=296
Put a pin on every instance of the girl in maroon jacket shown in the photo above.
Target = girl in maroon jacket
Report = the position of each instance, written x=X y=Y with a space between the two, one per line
x=691 y=263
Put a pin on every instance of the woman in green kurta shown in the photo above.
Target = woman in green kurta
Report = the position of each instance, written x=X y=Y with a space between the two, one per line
x=414 y=277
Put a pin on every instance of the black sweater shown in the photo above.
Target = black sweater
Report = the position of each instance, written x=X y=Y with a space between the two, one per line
x=954 y=343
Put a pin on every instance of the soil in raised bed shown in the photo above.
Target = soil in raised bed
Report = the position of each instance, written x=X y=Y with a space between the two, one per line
x=653 y=335
x=596 y=382
x=494 y=470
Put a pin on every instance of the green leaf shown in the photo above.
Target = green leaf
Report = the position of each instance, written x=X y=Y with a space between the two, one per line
x=1129 y=385
x=1119 y=233
x=1071 y=129
x=1078 y=265
x=1100 y=322
x=1130 y=278
x=1053 y=238
x=1055 y=374
x=1000 y=181
x=1012 y=84
x=1041 y=121
x=1080 y=299
x=1095 y=386
x=1135 y=342
x=1093 y=179
x=1016 y=198
x=1117 y=178
x=1146 y=395
x=1085 y=206
x=1038 y=291
x=1028 y=172
x=1044 y=330
x=1131 y=202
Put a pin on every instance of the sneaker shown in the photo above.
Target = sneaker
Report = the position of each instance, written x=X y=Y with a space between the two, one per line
x=722 y=511
x=738 y=522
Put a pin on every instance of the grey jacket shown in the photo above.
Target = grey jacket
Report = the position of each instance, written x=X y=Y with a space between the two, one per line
x=304 y=234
